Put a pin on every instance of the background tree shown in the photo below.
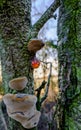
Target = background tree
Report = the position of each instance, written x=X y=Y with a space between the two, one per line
x=15 y=32
x=69 y=44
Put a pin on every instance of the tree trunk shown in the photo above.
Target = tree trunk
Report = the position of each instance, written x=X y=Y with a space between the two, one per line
x=69 y=44
x=15 y=33
x=15 y=59
x=15 y=24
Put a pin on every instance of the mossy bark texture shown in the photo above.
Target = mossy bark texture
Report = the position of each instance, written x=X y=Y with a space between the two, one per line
x=15 y=32
x=15 y=23
x=15 y=59
x=69 y=53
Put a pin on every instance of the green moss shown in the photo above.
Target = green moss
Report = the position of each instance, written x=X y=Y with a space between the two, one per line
x=2 y=2
x=69 y=59
x=2 y=90
x=72 y=4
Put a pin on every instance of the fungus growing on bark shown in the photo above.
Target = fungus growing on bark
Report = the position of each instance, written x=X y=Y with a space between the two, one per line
x=18 y=83
x=35 y=63
x=22 y=108
x=34 y=45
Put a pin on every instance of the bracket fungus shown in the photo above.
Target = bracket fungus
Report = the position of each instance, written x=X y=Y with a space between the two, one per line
x=18 y=83
x=34 y=45
x=22 y=108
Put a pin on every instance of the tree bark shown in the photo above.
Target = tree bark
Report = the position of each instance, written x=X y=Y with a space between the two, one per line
x=69 y=31
x=15 y=33
x=15 y=23
x=15 y=59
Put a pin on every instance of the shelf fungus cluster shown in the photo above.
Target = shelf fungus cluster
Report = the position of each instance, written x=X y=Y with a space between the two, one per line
x=22 y=107
x=33 y=46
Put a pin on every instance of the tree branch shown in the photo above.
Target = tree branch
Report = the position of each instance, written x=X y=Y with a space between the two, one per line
x=38 y=104
x=47 y=85
x=39 y=99
x=47 y=15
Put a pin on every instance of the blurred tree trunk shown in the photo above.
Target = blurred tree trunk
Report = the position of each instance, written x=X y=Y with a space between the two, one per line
x=15 y=32
x=69 y=53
